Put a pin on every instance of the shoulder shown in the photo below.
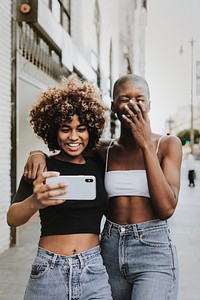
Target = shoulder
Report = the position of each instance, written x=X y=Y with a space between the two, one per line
x=171 y=141
x=166 y=139
x=104 y=143
x=169 y=145
x=103 y=146
x=51 y=159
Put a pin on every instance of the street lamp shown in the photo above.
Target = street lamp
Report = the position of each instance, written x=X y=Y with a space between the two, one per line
x=170 y=122
x=192 y=93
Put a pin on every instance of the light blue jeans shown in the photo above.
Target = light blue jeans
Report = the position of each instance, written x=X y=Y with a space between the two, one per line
x=57 y=277
x=141 y=261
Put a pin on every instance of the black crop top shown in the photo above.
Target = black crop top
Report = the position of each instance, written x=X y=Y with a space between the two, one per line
x=78 y=216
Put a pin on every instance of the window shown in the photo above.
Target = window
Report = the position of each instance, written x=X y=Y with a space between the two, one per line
x=56 y=9
x=65 y=14
x=61 y=11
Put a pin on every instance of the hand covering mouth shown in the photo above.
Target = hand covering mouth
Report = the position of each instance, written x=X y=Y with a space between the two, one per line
x=129 y=116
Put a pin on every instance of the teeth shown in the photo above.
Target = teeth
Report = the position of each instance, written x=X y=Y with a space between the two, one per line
x=73 y=145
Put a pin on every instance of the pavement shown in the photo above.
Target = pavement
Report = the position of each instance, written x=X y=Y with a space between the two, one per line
x=15 y=263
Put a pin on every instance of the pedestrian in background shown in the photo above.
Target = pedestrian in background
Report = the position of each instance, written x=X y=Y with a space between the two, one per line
x=68 y=264
x=191 y=168
x=142 y=179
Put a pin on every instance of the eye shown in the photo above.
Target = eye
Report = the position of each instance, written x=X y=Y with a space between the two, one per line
x=64 y=129
x=82 y=128
x=142 y=100
x=124 y=99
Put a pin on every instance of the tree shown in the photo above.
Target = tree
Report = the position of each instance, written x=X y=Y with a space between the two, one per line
x=184 y=136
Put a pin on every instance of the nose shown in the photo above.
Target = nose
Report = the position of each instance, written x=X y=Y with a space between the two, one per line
x=73 y=135
x=130 y=105
x=135 y=101
x=132 y=102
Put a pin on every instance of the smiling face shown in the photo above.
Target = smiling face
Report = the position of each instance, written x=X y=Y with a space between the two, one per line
x=128 y=90
x=73 y=138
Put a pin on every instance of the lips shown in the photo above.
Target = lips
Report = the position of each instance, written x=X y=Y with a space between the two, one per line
x=73 y=145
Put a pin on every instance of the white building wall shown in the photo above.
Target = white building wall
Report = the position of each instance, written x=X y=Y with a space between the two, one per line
x=127 y=11
x=139 y=27
x=109 y=32
x=30 y=83
x=5 y=112
x=132 y=36
x=83 y=27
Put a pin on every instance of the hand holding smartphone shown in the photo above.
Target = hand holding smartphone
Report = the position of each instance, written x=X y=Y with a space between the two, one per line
x=80 y=187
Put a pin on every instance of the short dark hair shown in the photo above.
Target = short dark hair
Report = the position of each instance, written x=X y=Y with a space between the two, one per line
x=131 y=77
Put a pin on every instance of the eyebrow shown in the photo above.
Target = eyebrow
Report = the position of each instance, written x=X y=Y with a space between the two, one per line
x=124 y=96
x=141 y=96
x=68 y=126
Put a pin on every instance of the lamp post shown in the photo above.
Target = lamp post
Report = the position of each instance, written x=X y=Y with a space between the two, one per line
x=170 y=122
x=192 y=92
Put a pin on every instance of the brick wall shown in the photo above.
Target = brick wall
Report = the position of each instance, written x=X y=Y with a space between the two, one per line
x=5 y=110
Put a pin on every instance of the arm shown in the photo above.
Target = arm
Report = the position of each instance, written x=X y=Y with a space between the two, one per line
x=19 y=213
x=163 y=178
x=35 y=164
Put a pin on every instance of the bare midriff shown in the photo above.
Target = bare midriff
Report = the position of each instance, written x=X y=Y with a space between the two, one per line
x=130 y=210
x=69 y=244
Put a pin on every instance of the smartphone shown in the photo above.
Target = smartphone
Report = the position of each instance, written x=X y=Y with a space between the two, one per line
x=80 y=187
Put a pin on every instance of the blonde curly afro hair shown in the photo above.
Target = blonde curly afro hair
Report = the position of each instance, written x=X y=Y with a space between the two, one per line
x=57 y=105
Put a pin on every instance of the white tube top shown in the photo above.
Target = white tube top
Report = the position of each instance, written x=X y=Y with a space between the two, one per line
x=126 y=183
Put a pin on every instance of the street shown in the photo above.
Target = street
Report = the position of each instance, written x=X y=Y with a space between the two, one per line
x=15 y=263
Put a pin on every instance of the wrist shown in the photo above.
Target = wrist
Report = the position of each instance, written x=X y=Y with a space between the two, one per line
x=148 y=148
x=37 y=152
x=34 y=203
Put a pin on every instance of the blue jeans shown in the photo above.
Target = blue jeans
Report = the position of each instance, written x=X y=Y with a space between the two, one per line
x=57 y=277
x=141 y=261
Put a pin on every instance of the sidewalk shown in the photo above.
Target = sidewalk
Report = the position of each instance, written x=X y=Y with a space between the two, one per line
x=16 y=262
x=185 y=226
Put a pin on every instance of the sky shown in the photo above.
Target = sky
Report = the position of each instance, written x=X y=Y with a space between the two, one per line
x=170 y=24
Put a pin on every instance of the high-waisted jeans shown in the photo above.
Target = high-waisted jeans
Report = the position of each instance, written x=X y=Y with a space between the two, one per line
x=141 y=261
x=57 y=277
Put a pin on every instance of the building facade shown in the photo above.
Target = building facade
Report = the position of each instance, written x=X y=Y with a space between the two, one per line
x=5 y=120
x=42 y=40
